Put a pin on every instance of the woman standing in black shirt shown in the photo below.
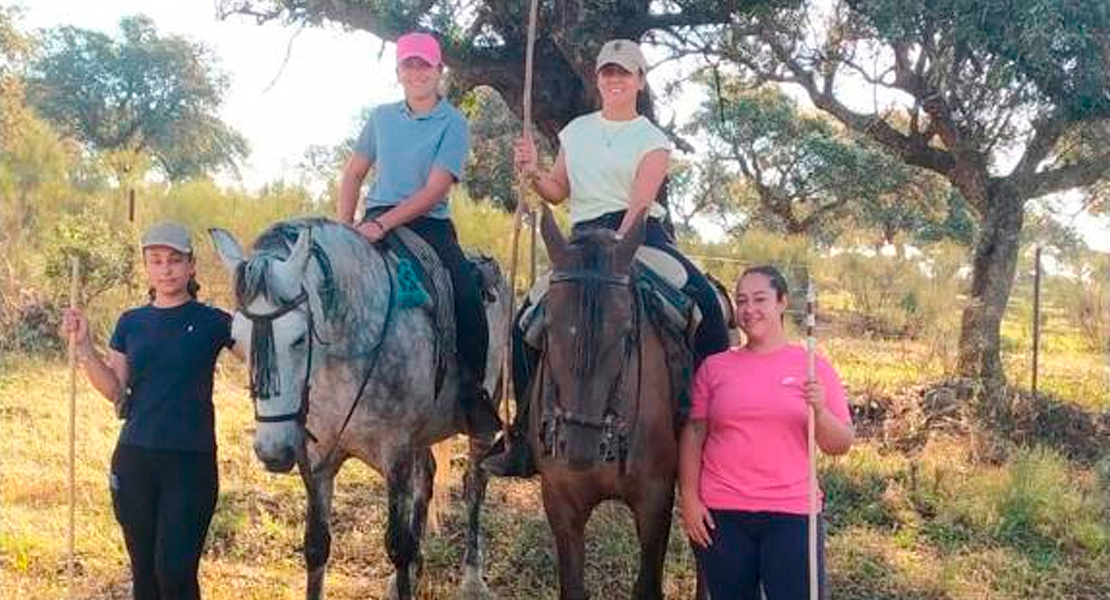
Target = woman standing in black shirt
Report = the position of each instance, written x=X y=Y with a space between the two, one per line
x=158 y=371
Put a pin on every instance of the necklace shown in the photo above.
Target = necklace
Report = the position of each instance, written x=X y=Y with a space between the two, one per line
x=611 y=131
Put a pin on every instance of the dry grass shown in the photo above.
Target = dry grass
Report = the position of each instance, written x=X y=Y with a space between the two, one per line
x=254 y=543
x=899 y=530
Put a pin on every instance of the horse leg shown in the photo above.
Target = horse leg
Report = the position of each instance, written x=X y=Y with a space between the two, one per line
x=473 y=587
x=410 y=489
x=652 y=512
x=317 y=532
x=567 y=518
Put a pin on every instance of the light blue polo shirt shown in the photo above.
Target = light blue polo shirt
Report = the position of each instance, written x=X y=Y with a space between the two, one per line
x=403 y=149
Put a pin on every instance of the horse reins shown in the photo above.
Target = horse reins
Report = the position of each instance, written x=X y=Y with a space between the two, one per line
x=265 y=321
x=633 y=341
x=300 y=416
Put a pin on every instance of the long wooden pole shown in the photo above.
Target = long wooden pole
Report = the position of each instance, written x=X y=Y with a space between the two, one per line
x=811 y=435
x=75 y=264
x=518 y=215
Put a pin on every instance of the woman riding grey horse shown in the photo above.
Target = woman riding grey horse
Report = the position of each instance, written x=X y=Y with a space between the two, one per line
x=340 y=370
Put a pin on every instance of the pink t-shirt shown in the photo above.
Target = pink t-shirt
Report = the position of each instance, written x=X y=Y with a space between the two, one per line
x=755 y=456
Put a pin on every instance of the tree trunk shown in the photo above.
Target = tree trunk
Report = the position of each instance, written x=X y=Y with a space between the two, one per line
x=992 y=279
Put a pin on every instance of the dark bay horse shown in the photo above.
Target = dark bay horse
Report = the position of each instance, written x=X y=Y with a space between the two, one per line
x=602 y=416
x=339 y=370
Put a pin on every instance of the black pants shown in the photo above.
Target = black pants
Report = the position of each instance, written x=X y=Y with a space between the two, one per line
x=712 y=334
x=472 y=331
x=164 y=501
x=754 y=549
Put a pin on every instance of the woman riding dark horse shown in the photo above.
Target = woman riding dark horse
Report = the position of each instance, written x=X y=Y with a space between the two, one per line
x=610 y=167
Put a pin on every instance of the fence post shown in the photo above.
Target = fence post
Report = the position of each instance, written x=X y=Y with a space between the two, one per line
x=1036 y=314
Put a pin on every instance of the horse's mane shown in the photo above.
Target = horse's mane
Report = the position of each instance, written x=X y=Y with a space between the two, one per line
x=344 y=280
x=592 y=251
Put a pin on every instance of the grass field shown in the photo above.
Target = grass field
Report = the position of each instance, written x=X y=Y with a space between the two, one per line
x=931 y=524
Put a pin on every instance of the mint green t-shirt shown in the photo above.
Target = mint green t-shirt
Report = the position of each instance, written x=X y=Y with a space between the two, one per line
x=602 y=157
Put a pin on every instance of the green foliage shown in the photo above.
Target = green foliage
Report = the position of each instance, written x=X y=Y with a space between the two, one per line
x=489 y=169
x=1086 y=299
x=708 y=189
x=106 y=254
x=35 y=167
x=896 y=297
x=141 y=93
x=14 y=45
x=1044 y=50
x=793 y=255
x=1041 y=510
x=958 y=224
x=805 y=174
x=32 y=328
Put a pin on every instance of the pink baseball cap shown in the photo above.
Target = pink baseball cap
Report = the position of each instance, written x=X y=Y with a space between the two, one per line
x=421 y=45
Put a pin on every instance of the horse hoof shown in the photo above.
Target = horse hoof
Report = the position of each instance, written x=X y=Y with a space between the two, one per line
x=473 y=587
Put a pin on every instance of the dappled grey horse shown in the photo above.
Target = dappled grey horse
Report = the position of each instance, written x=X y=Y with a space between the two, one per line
x=338 y=369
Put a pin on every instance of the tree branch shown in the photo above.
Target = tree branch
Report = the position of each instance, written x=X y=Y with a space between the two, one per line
x=1080 y=174
x=914 y=150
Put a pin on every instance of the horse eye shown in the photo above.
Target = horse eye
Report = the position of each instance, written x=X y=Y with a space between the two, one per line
x=299 y=342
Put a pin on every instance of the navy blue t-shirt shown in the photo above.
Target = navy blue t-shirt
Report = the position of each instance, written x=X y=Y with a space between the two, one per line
x=171 y=356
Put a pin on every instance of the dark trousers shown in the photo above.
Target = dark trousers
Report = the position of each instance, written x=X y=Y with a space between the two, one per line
x=711 y=336
x=164 y=501
x=472 y=331
x=754 y=549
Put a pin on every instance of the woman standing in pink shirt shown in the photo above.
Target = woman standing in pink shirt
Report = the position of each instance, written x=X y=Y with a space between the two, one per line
x=743 y=463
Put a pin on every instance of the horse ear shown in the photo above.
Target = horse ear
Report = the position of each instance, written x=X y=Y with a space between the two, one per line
x=231 y=253
x=630 y=243
x=289 y=273
x=553 y=238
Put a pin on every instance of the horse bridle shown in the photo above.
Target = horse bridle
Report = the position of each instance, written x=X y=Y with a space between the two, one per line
x=300 y=416
x=615 y=430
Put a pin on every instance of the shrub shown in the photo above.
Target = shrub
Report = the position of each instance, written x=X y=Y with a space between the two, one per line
x=106 y=254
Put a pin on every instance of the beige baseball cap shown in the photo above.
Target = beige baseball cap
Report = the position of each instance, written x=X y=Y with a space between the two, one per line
x=624 y=53
x=170 y=235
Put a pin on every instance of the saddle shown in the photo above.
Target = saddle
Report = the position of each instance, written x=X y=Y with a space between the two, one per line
x=422 y=282
x=657 y=274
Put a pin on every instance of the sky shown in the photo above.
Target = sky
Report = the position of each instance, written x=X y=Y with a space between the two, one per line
x=314 y=98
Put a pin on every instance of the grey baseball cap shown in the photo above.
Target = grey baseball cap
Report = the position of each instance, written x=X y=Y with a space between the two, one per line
x=625 y=53
x=170 y=235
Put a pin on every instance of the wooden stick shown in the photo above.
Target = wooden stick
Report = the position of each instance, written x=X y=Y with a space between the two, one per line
x=518 y=215
x=811 y=434
x=534 y=222
x=74 y=290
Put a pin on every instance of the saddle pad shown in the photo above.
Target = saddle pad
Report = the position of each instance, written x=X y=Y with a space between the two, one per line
x=663 y=265
x=435 y=276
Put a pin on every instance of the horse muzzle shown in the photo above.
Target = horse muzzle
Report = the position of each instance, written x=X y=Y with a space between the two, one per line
x=276 y=446
x=281 y=463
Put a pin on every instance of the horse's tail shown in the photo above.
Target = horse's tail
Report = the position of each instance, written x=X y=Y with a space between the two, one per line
x=441 y=483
